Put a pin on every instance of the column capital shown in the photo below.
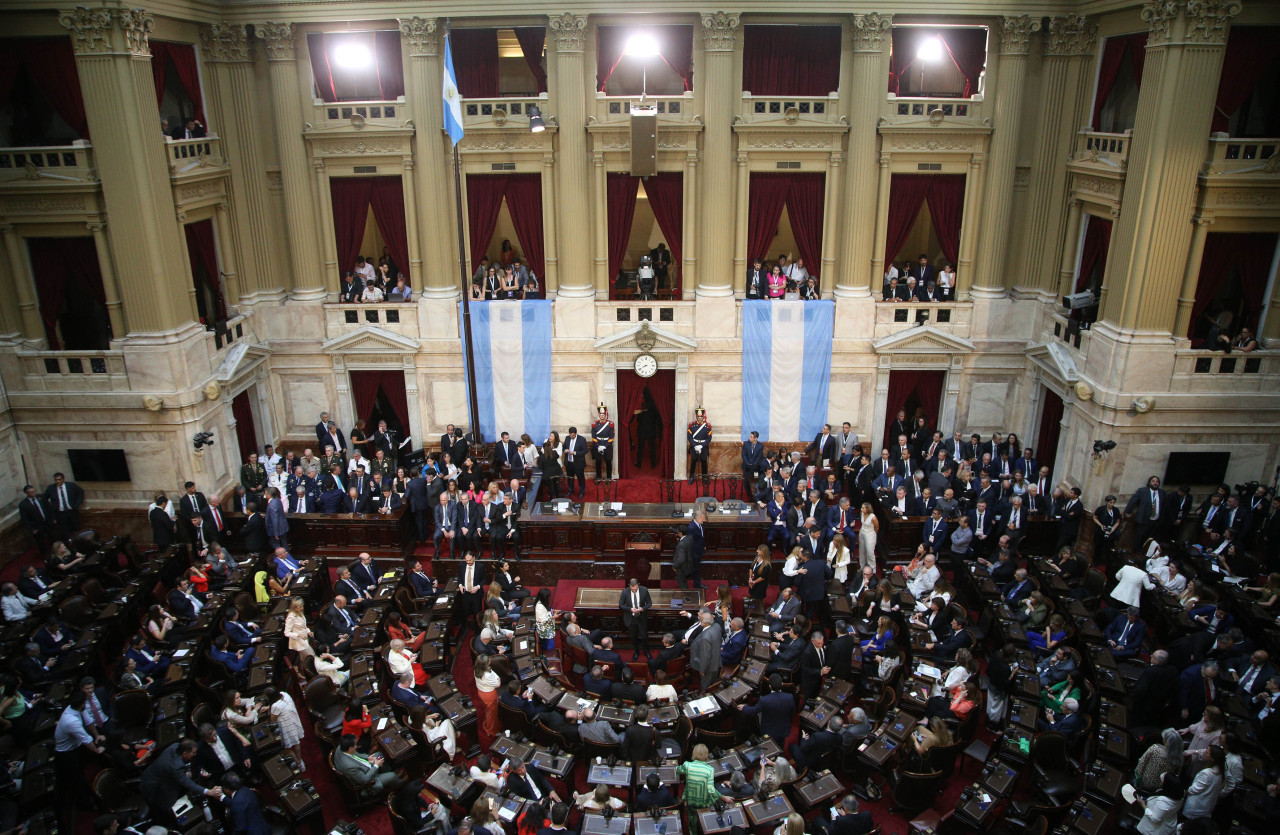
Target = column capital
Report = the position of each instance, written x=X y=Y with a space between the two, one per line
x=109 y=31
x=1071 y=35
x=279 y=40
x=720 y=31
x=225 y=42
x=869 y=31
x=1201 y=22
x=96 y=226
x=569 y=31
x=1015 y=34
x=422 y=35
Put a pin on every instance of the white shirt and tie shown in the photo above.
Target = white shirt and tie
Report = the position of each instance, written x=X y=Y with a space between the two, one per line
x=63 y=502
x=1013 y=520
x=635 y=599
x=471 y=577
x=1155 y=504
x=36 y=502
x=1246 y=681
x=1208 y=517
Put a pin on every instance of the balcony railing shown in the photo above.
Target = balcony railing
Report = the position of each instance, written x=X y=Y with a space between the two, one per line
x=1199 y=370
x=896 y=316
x=498 y=112
x=906 y=109
x=1233 y=155
x=1107 y=149
x=619 y=315
x=670 y=108
x=357 y=113
x=400 y=319
x=188 y=154
x=74 y=371
x=1070 y=332
x=74 y=161
x=790 y=109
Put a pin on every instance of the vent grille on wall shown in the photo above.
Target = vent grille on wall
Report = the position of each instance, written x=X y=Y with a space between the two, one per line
x=502 y=166
x=366 y=169
x=789 y=166
x=929 y=166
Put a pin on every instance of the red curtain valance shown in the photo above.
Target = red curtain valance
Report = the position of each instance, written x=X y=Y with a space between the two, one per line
x=1113 y=55
x=182 y=57
x=790 y=60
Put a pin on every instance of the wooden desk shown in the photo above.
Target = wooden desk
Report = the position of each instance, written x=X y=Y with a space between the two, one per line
x=343 y=535
x=712 y=822
x=598 y=608
x=597 y=824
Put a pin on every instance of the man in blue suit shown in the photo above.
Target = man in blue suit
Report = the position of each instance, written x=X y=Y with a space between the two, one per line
x=775 y=711
x=1069 y=724
x=1199 y=684
x=1124 y=635
x=935 y=531
x=240 y=634
x=246 y=813
x=1027 y=464
x=699 y=541
x=840 y=521
x=1017 y=589
x=734 y=644
x=277 y=523
x=236 y=662
x=150 y=663
x=752 y=462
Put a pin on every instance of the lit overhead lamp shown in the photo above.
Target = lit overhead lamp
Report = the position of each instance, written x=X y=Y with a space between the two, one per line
x=352 y=56
x=642 y=45
x=536 y=124
x=930 y=50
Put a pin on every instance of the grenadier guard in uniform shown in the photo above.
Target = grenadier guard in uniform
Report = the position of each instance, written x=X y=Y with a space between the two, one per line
x=254 y=478
x=699 y=440
x=603 y=433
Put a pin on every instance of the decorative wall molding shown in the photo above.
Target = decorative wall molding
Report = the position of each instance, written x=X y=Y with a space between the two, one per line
x=225 y=42
x=1071 y=35
x=1015 y=34
x=870 y=30
x=92 y=31
x=763 y=138
x=383 y=144
x=279 y=40
x=505 y=141
x=1204 y=22
x=42 y=205
x=916 y=140
x=1246 y=197
x=1101 y=186
x=720 y=31
x=569 y=32
x=422 y=35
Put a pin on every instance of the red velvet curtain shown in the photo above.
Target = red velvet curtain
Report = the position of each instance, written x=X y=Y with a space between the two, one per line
x=10 y=64
x=790 y=60
x=524 y=201
x=621 y=207
x=532 y=40
x=1113 y=54
x=182 y=57
x=968 y=51
x=59 y=266
x=350 y=197
x=365 y=386
x=767 y=197
x=1250 y=55
x=484 y=202
x=946 y=209
x=662 y=387
x=387 y=199
x=320 y=69
x=805 y=200
x=202 y=251
x=1046 y=440
x=666 y=199
x=246 y=432
x=675 y=43
x=51 y=63
x=903 y=45
x=907 y=193
x=1097 y=242
x=1250 y=254
x=903 y=383
x=390 y=66
x=475 y=62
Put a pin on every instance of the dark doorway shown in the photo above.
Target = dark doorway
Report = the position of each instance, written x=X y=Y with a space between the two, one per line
x=246 y=431
x=918 y=393
x=380 y=395
x=1046 y=441
x=631 y=401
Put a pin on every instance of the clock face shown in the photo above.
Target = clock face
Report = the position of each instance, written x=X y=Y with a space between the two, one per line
x=646 y=365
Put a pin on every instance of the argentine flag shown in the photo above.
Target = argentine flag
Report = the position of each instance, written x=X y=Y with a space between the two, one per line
x=786 y=368
x=512 y=342
x=452 y=98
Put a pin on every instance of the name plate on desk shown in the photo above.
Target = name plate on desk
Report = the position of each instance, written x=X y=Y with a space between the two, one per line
x=877 y=753
x=818 y=791
x=817 y=718
x=752 y=672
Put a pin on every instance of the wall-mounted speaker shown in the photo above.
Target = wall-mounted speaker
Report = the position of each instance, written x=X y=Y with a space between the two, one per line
x=644 y=141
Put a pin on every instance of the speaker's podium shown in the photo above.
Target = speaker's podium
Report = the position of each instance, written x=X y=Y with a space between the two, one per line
x=642 y=557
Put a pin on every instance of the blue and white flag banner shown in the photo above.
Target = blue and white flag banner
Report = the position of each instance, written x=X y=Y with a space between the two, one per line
x=451 y=97
x=512 y=341
x=786 y=368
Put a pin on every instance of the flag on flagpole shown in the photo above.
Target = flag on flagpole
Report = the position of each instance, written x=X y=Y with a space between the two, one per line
x=452 y=98
x=786 y=368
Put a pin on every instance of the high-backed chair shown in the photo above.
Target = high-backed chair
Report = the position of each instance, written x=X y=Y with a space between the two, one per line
x=916 y=790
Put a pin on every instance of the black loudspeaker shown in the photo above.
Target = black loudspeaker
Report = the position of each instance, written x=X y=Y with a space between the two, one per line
x=1196 y=468
x=644 y=141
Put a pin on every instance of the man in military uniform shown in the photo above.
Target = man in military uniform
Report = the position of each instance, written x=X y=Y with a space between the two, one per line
x=602 y=435
x=699 y=443
x=254 y=478
x=381 y=465
x=332 y=456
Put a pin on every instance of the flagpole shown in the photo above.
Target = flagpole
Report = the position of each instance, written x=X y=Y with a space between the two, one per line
x=473 y=400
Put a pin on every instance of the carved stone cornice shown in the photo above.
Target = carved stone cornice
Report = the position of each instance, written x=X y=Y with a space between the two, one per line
x=1202 y=22
x=1070 y=36
x=569 y=32
x=225 y=42
x=869 y=31
x=279 y=40
x=109 y=31
x=422 y=36
x=720 y=31
x=1015 y=34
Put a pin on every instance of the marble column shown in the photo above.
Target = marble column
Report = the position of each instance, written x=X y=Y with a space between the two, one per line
x=309 y=278
x=880 y=236
x=600 y=220
x=989 y=270
x=550 y=253
x=408 y=182
x=741 y=216
x=830 y=224
x=972 y=220
x=24 y=289
x=716 y=184
x=568 y=33
x=110 y=288
x=862 y=269
x=232 y=99
x=1152 y=238
x=433 y=174
x=1070 y=249
x=689 y=234
x=1191 y=276
x=113 y=59
x=1063 y=97
x=227 y=254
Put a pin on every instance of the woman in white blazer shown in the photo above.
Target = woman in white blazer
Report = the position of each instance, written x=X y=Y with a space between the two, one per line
x=1130 y=581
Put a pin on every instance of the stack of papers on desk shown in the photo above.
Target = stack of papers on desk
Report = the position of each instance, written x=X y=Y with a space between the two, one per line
x=707 y=704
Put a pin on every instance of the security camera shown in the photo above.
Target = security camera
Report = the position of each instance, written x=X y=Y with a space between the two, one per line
x=1103 y=446
x=201 y=440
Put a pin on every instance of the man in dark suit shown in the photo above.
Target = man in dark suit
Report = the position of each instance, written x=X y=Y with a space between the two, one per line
x=734 y=645
x=529 y=783
x=813 y=666
x=254 y=532
x=823 y=448
x=848 y=820
x=470 y=522
x=635 y=602
x=506 y=453
x=1147 y=509
x=365 y=572
x=504 y=530
x=34 y=582
x=640 y=739
x=840 y=651
x=957 y=447
x=935 y=531
x=65 y=497
x=471 y=584
x=812 y=746
x=775 y=711
x=607 y=655
x=1068 y=724
x=513 y=697
x=1124 y=635
x=242 y=803
x=421 y=505
x=698 y=546
x=340 y=616
x=787 y=651
x=596 y=684
x=422 y=583
x=815 y=573
x=670 y=651
x=322 y=430
x=276 y=521
x=757 y=280
x=218 y=752
x=922 y=272
x=191 y=129
x=1199 y=687
x=348 y=588
x=38 y=517
x=446 y=513
x=1156 y=692
x=301 y=502
x=168 y=778
x=353 y=502
x=574 y=455
x=983 y=523
x=192 y=503
x=183 y=604
x=753 y=463
x=162 y=527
